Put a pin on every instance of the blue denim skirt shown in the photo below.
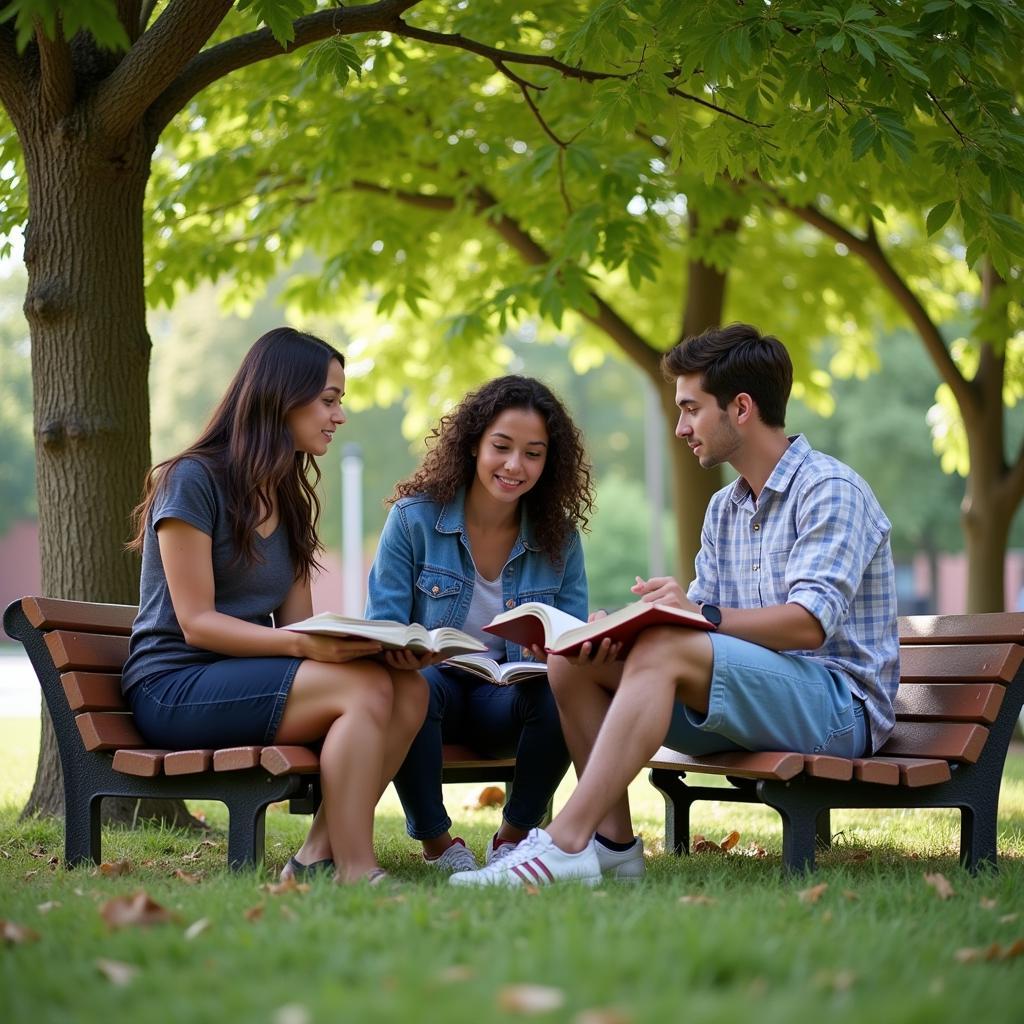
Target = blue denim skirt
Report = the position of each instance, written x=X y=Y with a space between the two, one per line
x=233 y=702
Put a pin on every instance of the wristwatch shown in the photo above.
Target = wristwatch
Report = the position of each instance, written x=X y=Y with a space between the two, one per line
x=712 y=613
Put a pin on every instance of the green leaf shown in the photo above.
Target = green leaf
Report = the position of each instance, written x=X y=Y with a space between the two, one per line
x=938 y=215
x=335 y=56
x=97 y=17
x=278 y=15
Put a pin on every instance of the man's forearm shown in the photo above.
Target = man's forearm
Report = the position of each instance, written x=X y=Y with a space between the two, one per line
x=781 y=627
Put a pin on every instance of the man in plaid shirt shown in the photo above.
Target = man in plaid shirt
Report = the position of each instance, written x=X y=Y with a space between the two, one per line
x=794 y=573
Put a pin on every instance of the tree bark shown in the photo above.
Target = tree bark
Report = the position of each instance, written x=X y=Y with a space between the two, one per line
x=90 y=366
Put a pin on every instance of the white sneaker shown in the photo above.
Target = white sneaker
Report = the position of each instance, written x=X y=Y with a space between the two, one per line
x=536 y=861
x=626 y=865
x=455 y=858
x=491 y=854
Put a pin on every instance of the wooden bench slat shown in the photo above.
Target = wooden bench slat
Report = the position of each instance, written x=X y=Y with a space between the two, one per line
x=950 y=702
x=82 y=616
x=993 y=627
x=105 y=730
x=762 y=765
x=824 y=766
x=951 y=741
x=877 y=771
x=89 y=651
x=918 y=771
x=146 y=764
x=235 y=759
x=93 y=691
x=188 y=762
x=284 y=759
x=981 y=663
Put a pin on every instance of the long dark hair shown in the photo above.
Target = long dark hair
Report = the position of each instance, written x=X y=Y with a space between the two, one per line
x=560 y=501
x=251 y=449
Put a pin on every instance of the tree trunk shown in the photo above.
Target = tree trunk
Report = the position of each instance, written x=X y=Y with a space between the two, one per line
x=90 y=363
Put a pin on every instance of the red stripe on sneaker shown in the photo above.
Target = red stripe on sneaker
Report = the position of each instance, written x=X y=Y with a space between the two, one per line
x=543 y=867
x=522 y=877
x=533 y=871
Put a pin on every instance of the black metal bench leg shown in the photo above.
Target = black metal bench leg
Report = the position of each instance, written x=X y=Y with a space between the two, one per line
x=81 y=828
x=246 y=840
x=823 y=830
x=800 y=815
x=677 y=809
x=978 y=837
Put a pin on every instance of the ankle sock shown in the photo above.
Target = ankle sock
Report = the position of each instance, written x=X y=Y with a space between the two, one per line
x=610 y=844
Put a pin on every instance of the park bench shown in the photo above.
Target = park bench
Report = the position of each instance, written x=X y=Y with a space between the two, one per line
x=78 y=650
x=960 y=694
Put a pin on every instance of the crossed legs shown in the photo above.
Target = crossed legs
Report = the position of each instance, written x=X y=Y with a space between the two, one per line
x=366 y=715
x=615 y=715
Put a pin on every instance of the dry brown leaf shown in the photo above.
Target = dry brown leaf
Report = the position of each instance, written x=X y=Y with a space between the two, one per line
x=603 y=1015
x=29 y=875
x=850 y=895
x=39 y=853
x=489 y=796
x=967 y=955
x=115 y=868
x=292 y=1013
x=990 y=953
x=455 y=973
x=254 y=913
x=116 y=972
x=288 y=885
x=699 y=900
x=701 y=844
x=730 y=841
x=754 y=850
x=987 y=903
x=530 y=999
x=196 y=928
x=843 y=981
x=45 y=908
x=1007 y=918
x=826 y=917
x=188 y=879
x=134 y=911
x=940 y=884
x=813 y=894
x=15 y=934
x=530 y=889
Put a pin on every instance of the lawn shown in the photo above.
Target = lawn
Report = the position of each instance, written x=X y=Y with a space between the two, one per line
x=708 y=938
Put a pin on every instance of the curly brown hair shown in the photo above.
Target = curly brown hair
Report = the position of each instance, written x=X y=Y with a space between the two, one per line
x=562 y=499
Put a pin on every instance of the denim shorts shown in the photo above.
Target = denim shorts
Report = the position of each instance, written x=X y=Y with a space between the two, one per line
x=770 y=700
x=233 y=702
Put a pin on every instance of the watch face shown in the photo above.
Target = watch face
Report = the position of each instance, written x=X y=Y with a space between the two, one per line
x=712 y=613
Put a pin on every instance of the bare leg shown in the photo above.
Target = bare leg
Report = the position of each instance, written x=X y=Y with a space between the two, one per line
x=584 y=695
x=666 y=664
x=408 y=711
x=350 y=706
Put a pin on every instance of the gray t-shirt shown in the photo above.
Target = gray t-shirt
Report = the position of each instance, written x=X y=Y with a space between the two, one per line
x=193 y=492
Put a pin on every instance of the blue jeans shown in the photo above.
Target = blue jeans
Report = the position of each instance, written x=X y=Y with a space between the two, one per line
x=496 y=721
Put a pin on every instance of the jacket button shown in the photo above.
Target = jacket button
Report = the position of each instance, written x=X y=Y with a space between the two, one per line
x=435 y=590
x=510 y=603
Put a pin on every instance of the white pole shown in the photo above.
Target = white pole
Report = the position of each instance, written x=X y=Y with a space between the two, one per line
x=654 y=479
x=352 y=576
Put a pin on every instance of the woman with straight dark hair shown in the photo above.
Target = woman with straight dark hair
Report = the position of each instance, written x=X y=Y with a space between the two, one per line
x=489 y=520
x=227 y=530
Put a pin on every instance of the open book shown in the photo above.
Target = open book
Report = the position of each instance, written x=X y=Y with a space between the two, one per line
x=562 y=633
x=393 y=635
x=502 y=673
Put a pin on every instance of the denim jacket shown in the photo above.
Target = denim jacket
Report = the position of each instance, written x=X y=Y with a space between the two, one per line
x=424 y=572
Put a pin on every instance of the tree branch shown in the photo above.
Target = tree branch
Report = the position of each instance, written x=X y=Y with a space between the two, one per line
x=606 y=319
x=13 y=81
x=56 y=73
x=872 y=253
x=253 y=47
x=154 y=61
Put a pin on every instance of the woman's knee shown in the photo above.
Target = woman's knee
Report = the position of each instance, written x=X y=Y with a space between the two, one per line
x=412 y=695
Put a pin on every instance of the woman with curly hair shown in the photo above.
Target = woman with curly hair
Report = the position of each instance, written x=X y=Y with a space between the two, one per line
x=489 y=520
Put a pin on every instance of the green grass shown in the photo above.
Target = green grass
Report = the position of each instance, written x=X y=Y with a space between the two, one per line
x=885 y=952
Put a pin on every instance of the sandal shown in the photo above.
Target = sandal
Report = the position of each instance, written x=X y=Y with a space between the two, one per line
x=305 y=872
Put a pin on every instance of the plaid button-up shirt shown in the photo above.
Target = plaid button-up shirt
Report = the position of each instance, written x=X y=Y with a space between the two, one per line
x=816 y=537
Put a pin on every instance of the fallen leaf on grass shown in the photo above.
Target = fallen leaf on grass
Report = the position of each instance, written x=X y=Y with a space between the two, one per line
x=701 y=844
x=530 y=999
x=530 y=889
x=986 y=903
x=698 y=900
x=184 y=876
x=455 y=973
x=729 y=841
x=973 y=956
x=1007 y=918
x=842 y=981
x=116 y=972
x=602 y=1015
x=115 y=868
x=45 y=908
x=287 y=886
x=254 y=913
x=134 y=911
x=850 y=895
x=29 y=875
x=16 y=934
x=813 y=894
x=753 y=849
x=291 y=1013
x=489 y=796
x=940 y=884
x=196 y=928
